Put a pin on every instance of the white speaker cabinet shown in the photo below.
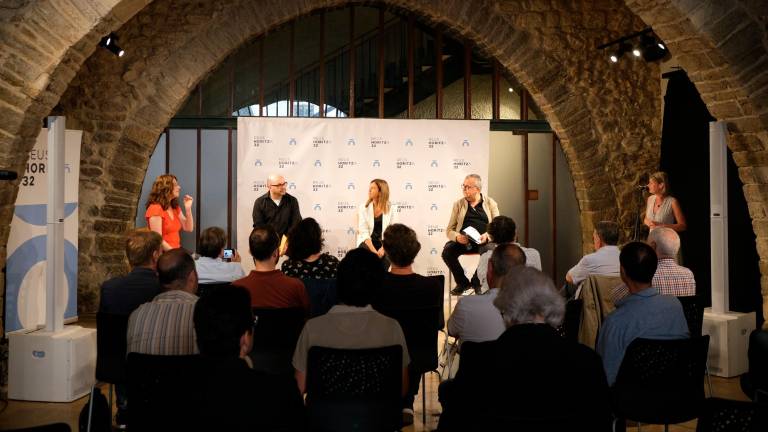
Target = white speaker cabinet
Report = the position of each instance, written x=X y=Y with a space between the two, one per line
x=728 y=341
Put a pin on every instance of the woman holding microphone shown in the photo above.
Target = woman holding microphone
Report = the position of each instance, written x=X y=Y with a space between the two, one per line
x=164 y=215
x=374 y=217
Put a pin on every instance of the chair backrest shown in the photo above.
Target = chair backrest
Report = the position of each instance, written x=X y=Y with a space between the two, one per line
x=164 y=391
x=322 y=295
x=597 y=304
x=723 y=415
x=111 y=330
x=572 y=319
x=755 y=381
x=694 y=314
x=661 y=381
x=354 y=389
x=274 y=338
x=474 y=357
x=204 y=289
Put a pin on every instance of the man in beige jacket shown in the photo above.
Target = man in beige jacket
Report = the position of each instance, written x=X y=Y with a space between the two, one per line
x=473 y=210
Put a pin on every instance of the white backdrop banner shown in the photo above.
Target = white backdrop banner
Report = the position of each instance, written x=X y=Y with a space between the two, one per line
x=25 y=277
x=329 y=164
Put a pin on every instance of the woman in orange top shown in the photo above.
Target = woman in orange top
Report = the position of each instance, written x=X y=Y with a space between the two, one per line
x=164 y=214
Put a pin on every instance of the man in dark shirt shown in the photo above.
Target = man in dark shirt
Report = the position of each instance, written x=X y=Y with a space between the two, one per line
x=473 y=210
x=276 y=207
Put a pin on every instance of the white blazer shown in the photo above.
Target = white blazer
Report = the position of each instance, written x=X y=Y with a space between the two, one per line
x=365 y=221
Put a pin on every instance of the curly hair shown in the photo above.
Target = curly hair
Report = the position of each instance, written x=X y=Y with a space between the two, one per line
x=304 y=239
x=162 y=192
x=401 y=244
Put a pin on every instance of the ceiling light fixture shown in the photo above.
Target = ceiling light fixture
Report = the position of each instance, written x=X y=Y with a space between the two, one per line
x=110 y=42
x=643 y=44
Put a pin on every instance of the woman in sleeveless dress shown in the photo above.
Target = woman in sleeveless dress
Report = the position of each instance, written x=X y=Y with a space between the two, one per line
x=662 y=209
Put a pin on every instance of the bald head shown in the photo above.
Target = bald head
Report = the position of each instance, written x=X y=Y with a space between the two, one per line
x=665 y=242
x=276 y=185
x=176 y=271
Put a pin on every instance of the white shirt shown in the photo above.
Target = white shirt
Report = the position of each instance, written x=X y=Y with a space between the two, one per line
x=476 y=319
x=532 y=259
x=603 y=262
x=213 y=270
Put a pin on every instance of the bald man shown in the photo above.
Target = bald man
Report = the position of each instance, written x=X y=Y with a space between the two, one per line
x=276 y=207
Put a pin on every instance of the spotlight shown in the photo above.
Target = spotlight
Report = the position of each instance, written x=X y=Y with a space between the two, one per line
x=110 y=42
x=636 y=52
x=511 y=90
x=623 y=48
x=643 y=43
x=652 y=49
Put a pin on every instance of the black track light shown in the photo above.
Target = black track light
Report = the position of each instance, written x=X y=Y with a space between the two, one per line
x=641 y=44
x=110 y=42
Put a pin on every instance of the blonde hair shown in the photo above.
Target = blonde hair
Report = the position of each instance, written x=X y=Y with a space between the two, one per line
x=661 y=178
x=383 y=203
x=162 y=192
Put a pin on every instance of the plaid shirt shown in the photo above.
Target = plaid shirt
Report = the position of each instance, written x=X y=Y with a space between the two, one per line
x=670 y=279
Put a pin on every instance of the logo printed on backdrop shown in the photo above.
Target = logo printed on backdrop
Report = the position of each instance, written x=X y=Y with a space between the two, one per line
x=409 y=142
x=350 y=186
x=292 y=142
x=408 y=186
x=433 y=251
x=345 y=162
x=317 y=207
x=435 y=271
x=435 y=143
x=350 y=231
x=259 y=141
x=433 y=207
x=434 y=229
x=291 y=185
x=344 y=206
x=257 y=163
x=433 y=164
x=376 y=163
x=403 y=162
x=259 y=185
x=318 y=185
x=285 y=162
x=318 y=141
x=340 y=252
x=324 y=232
x=460 y=162
x=435 y=186
x=378 y=141
x=318 y=164
x=465 y=143
x=351 y=142
x=403 y=206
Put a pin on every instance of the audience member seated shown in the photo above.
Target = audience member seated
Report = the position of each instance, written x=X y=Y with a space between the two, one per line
x=402 y=289
x=211 y=268
x=235 y=397
x=121 y=295
x=475 y=318
x=269 y=287
x=604 y=260
x=670 y=278
x=643 y=314
x=352 y=323
x=502 y=229
x=306 y=259
x=530 y=378
x=164 y=325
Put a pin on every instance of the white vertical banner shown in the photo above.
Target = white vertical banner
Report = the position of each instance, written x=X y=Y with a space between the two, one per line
x=329 y=164
x=26 y=263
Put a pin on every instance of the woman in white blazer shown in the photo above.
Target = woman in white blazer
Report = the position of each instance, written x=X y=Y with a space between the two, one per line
x=374 y=217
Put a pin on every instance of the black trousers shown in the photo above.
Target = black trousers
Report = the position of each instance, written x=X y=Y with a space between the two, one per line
x=384 y=260
x=451 y=253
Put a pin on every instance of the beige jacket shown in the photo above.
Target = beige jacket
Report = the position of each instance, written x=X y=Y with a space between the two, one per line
x=460 y=210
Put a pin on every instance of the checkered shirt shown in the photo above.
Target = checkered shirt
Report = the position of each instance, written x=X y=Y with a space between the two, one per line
x=670 y=279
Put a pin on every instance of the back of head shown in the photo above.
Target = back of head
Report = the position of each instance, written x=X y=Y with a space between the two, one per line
x=304 y=239
x=140 y=244
x=666 y=241
x=502 y=229
x=173 y=269
x=638 y=262
x=528 y=296
x=358 y=277
x=221 y=318
x=608 y=232
x=263 y=242
x=401 y=244
x=212 y=241
x=504 y=257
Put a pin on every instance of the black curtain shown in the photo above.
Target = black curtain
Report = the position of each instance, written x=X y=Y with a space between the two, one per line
x=685 y=158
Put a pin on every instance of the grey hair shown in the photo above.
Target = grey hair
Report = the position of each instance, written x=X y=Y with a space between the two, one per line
x=667 y=241
x=477 y=178
x=527 y=293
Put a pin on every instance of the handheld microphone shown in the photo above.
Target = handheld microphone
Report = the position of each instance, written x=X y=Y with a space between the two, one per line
x=8 y=175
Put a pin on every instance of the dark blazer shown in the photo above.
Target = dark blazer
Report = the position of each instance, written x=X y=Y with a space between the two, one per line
x=282 y=218
x=123 y=294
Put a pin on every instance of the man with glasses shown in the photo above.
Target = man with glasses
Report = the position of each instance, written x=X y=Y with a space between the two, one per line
x=472 y=210
x=277 y=208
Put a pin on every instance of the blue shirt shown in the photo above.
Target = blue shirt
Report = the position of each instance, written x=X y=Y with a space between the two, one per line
x=645 y=314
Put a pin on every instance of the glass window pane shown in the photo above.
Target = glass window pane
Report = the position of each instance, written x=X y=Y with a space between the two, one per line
x=425 y=81
x=395 y=42
x=366 y=62
x=183 y=158
x=214 y=179
x=192 y=105
x=509 y=99
x=482 y=86
x=246 y=76
x=453 y=79
x=505 y=176
x=306 y=64
x=540 y=209
x=568 y=239
x=216 y=92
x=155 y=168
x=276 y=58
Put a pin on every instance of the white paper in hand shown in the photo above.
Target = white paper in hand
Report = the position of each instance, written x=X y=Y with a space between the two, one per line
x=472 y=233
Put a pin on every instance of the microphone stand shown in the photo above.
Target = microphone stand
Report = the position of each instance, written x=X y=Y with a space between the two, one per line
x=639 y=214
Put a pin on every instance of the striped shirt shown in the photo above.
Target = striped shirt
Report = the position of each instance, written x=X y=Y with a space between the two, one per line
x=164 y=326
x=670 y=279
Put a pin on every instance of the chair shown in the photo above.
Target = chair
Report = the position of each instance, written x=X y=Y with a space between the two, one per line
x=755 y=381
x=723 y=415
x=204 y=289
x=354 y=389
x=661 y=381
x=597 y=304
x=572 y=320
x=274 y=338
x=322 y=295
x=111 y=330
x=694 y=314
x=164 y=391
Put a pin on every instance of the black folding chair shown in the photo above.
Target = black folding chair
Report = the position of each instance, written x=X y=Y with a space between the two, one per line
x=322 y=295
x=694 y=314
x=354 y=389
x=755 y=381
x=274 y=338
x=723 y=415
x=204 y=289
x=661 y=381
x=111 y=342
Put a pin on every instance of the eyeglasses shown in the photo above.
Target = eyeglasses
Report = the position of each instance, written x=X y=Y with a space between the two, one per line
x=279 y=184
x=465 y=187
